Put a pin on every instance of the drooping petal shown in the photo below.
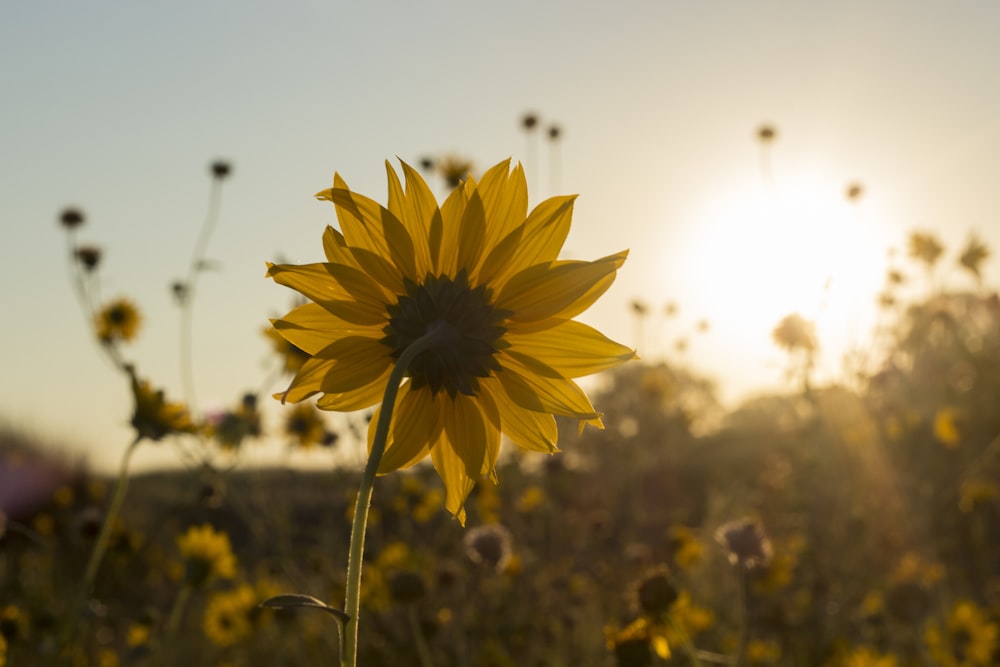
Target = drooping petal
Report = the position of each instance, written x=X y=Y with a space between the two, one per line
x=416 y=422
x=465 y=429
x=570 y=349
x=452 y=470
x=544 y=291
x=307 y=380
x=310 y=327
x=527 y=429
x=544 y=394
x=361 y=300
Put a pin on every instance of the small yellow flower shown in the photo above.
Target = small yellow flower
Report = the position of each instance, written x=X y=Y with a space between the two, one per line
x=760 y=652
x=483 y=275
x=138 y=635
x=304 y=426
x=968 y=638
x=866 y=657
x=117 y=321
x=532 y=498
x=454 y=169
x=228 y=616
x=154 y=417
x=207 y=554
x=945 y=430
x=291 y=357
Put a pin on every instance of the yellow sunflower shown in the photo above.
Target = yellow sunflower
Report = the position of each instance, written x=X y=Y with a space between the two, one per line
x=117 y=321
x=478 y=280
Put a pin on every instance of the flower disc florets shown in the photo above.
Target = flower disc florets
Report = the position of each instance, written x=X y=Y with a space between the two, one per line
x=473 y=332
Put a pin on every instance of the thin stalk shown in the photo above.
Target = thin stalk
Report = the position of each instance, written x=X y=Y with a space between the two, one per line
x=436 y=334
x=423 y=653
x=197 y=265
x=101 y=546
x=176 y=614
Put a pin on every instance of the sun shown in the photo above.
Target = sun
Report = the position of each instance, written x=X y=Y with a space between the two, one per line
x=761 y=253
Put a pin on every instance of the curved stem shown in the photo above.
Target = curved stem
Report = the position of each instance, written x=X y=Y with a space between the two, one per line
x=101 y=546
x=352 y=604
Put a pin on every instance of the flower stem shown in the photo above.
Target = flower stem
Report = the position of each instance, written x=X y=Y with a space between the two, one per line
x=435 y=335
x=176 y=614
x=423 y=653
x=101 y=546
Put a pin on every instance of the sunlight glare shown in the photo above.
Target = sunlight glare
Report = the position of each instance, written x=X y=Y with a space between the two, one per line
x=764 y=253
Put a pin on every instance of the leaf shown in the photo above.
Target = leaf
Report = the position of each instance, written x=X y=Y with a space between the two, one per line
x=294 y=600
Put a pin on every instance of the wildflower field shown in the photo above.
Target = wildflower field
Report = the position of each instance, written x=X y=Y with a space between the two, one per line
x=847 y=524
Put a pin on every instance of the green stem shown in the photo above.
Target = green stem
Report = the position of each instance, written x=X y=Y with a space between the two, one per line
x=423 y=653
x=101 y=546
x=352 y=604
x=176 y=614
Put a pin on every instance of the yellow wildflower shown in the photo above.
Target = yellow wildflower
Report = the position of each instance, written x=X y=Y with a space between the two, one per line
x=760 y=652
x=532 y=498
x=117 y=321
x=207 y=554
x=945 y=430
x=227 y=618
x=866 y=657
x=478 y=280
x=292 y=357
x=154 y=417
x=968 y=638
x=305 y=426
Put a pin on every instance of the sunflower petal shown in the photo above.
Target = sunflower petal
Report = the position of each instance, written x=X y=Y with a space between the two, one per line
x=465 y=429
x=364 y=305
x=542 y=236
x=505 y=199
x=307 y=380
x=416 y=422
x=571 y=349
x=527 y=429
x=310 y=327
x=544 y=291
x=358 y=399
x=543 y=394
x=452 y=470
x=357 y=361
x=471 y=237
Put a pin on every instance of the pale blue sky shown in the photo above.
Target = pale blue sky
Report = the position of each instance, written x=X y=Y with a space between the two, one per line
x=118 y=107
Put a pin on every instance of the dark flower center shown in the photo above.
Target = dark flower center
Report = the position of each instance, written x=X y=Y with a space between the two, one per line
x=474 y=332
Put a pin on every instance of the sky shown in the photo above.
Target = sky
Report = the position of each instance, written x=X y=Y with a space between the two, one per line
x=119 y=107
